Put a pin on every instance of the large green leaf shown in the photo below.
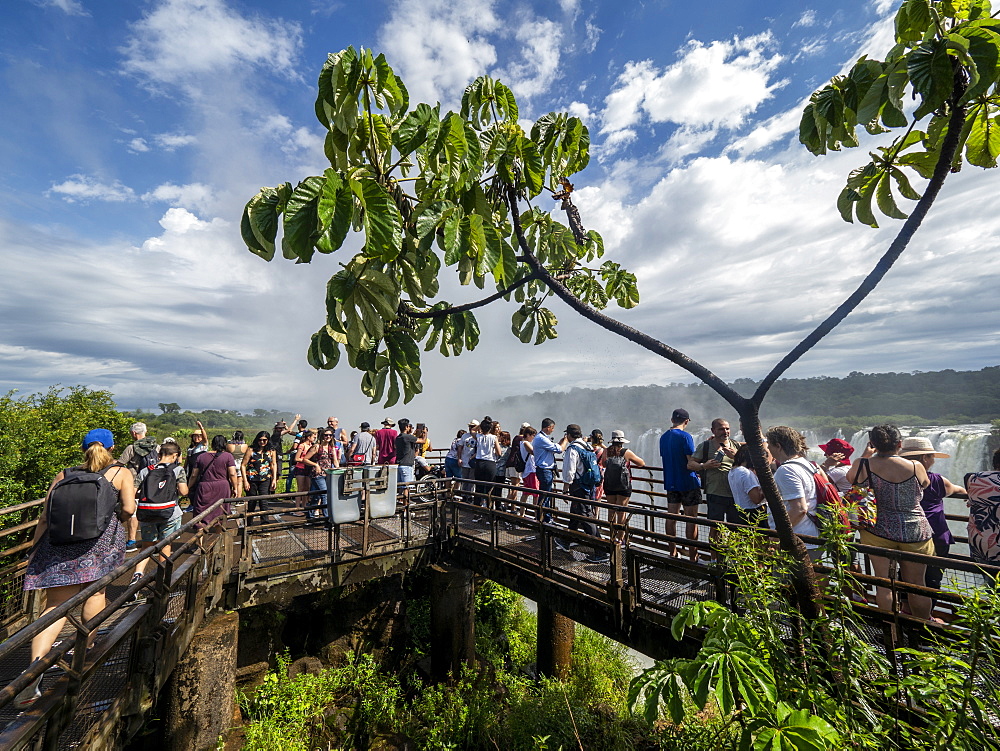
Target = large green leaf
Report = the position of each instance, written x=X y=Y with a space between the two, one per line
x=259 y=226
x=382 y=221
x=983 y=144
x=912 y=20
x=301 y=220
x=335 y=210
x=929 y=70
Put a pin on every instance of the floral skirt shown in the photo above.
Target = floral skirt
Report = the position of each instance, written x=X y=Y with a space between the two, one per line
x=78 y=562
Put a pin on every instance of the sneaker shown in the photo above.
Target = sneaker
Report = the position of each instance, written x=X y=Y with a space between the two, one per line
x=131 y=545
x=29 y=695
x=560 y=545
x=598 y=558
x=134 y=598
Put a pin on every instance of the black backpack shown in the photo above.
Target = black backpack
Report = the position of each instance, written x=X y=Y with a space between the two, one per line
x=157 y=496
x=144 y=454
x=80 y=506
x=616 y=476
x=515 y=459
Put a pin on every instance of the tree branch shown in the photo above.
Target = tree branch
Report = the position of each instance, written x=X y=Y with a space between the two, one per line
x=896 y=248
x=606 y=322
x=413 y=313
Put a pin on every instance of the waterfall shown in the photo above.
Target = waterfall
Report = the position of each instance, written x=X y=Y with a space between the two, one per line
x=967 y=446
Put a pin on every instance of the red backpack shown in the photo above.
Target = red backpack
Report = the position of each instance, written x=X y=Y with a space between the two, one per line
x=829 y=504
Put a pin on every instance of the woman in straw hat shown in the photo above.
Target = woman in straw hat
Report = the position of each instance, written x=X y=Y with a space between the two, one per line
x=922 y=450
x=616 y=463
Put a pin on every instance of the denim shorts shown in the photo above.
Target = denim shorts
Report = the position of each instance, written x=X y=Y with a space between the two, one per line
x=156 y=531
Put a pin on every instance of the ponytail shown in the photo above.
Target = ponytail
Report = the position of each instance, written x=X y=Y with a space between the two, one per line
x=96 y=457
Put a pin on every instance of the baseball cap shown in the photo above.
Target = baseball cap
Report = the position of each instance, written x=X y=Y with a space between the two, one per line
x=680 y=415
x=102 y=436
x=366 y=426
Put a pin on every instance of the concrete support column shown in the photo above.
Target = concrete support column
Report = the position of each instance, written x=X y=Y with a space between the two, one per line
x=453 y=621
x=201 y=689
x=555 y=643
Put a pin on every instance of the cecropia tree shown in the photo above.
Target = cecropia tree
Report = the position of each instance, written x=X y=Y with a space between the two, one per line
x=429 y=190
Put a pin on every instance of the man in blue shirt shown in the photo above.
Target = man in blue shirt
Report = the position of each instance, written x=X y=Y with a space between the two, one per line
x=545 y=461
x=681 y=483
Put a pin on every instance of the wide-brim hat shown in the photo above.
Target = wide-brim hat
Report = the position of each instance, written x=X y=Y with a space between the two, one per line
x=389 y=421
x=918 y=446
x=618 y=436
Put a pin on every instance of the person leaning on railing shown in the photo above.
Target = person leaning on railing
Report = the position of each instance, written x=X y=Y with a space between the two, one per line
x=901 y=524
x=63 y=569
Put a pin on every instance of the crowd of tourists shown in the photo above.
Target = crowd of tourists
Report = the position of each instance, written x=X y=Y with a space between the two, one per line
x=95 y=512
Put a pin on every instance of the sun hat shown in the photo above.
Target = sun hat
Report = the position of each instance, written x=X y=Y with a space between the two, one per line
x=618 y=436
x=918 y=446
x=473 y=423
x=838 y=446
x=102 y=436
x=389 y=421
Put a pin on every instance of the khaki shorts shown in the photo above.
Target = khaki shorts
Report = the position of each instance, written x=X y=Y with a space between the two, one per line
x=926 y=547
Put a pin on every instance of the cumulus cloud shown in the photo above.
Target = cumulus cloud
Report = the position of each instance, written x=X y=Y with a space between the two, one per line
x=440 y=46
x=711 y=86
x=182 y=39
x=84 y=188
x=192 y=195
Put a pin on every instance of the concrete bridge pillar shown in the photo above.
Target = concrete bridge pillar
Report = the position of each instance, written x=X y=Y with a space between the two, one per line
x=555 y=643
x=453 y=621
x=201 y=689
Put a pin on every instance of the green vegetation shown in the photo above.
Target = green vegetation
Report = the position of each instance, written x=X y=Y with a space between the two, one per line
x=40 y=435
x=748 y=689
x=179 y=423
x=848 y=404
x=357 y=705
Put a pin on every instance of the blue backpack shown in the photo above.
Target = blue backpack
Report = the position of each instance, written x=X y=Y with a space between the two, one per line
x=591 y=476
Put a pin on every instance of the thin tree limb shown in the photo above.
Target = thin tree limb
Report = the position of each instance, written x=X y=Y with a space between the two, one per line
x=896 y=248
x=414 y=313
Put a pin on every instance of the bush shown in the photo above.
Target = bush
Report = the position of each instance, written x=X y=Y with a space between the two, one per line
x=42 y=435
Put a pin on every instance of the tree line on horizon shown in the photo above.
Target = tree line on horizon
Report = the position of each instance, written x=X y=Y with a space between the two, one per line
x=945 y=397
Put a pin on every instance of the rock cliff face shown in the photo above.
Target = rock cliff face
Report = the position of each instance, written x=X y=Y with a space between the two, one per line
x=366 y=618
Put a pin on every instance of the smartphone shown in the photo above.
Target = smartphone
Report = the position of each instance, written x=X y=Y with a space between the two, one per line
x=720 y=455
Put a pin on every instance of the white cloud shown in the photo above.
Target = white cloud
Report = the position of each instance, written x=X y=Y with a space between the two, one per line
x=540 y=42
x=182 y=39
x=582 y=111
x=439 y=46
x=86 y=188
x=172 y=141
x=712 y=86
x=69 y=7
x=138 y=146
x=808 y=18
x=192 y=195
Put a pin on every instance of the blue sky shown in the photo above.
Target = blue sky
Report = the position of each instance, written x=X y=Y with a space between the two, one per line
x=135 y=132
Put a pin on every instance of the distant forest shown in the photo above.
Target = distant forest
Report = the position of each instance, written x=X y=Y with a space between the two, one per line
x=945 y=397
x=174 y=421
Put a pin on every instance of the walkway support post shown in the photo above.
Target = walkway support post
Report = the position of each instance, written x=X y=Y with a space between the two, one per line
x=555 y=643
x=201 y=690
x=453 y=621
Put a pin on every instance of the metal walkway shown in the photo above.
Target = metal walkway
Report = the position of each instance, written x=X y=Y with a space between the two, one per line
x=94 y=698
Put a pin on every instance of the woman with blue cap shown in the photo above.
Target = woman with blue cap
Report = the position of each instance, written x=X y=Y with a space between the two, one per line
x=64 y=556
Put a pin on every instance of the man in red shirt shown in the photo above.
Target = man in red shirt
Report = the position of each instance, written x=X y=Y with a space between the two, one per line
x=385 y=439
